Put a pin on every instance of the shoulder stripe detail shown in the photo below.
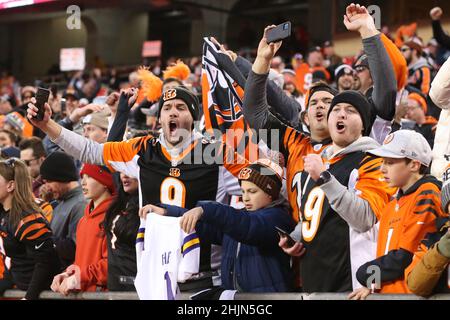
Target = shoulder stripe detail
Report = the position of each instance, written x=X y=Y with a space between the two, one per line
x=28 y=218
x=38 y=234
x=427 y=210
x=425 y=201
x=32 y=227
x=378 y=168
x=429 y=192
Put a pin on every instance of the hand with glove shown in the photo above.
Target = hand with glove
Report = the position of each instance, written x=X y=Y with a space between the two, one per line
x=127 y=100
x=444 y=245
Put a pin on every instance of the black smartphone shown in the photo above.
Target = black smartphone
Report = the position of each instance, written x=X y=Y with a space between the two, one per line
x=283 y=233
x=42 y=96
x=280 y=32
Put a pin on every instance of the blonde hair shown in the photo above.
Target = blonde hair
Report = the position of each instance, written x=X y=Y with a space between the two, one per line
x=23 y=199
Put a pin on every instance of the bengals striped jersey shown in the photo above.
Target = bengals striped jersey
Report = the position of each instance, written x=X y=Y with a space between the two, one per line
x=46 y=208
x=293 y=145
x=181 y=180
x=332 y=246
x=34 y=260
x=405 y=221
x=420 y=78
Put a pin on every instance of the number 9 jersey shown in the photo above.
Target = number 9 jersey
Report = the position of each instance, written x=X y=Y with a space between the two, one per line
x=181 y=179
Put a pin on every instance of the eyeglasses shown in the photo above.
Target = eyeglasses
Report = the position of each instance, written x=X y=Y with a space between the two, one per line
x=360 y=68
x=28 y=162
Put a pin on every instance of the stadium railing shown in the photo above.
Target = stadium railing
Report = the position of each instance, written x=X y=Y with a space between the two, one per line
x=49 y=295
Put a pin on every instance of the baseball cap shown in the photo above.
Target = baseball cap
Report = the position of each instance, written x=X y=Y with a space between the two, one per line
x=98 y=119
x=405 y=144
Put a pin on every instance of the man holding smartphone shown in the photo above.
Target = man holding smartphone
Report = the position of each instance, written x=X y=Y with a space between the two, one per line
x=340 y=192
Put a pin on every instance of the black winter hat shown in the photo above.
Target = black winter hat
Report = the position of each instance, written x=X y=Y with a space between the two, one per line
x=184 y=94
x=59 y=166
x=357 y=100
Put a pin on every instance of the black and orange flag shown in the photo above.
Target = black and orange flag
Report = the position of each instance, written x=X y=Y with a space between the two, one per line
x=222 y=96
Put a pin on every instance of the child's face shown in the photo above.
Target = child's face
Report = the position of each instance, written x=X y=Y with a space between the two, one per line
x=253 y=196
x=396 y=172
x=92 y=189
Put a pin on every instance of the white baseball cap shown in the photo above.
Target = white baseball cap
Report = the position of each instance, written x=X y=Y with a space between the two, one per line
x=405 y=144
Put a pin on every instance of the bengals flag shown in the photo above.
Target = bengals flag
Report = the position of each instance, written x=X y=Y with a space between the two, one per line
x=222 y=96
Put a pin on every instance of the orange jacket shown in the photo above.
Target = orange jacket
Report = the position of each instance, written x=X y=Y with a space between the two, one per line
x=91 y=253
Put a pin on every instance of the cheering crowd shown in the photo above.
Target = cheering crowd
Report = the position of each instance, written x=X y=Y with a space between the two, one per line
x=339 y=182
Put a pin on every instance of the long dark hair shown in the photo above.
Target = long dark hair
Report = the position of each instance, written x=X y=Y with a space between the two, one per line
x=23 y=200
x=127 y=205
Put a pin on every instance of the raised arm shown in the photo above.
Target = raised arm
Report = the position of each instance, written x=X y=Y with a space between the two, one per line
x=126 y=101
x=384 y=93
x=256 y=108
x=438 y=33
x=73 y=144
x=285 y=106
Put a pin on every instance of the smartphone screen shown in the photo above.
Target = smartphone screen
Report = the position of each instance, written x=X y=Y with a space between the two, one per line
x=42 y=96
x=285 y=234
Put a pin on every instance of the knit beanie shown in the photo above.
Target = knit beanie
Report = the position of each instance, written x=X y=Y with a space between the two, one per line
x=60 y=167
x=343 y=69
x=266 y=175
x=357 y=100
x=445 y=192
x=184 y=94
x=99 y=173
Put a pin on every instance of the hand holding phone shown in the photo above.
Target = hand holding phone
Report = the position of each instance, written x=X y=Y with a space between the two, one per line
x=280 y=32
x=285 y=234
x=42 y=96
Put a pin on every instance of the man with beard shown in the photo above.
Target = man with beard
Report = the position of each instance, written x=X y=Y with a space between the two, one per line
x=345 y=79
x=418 y=68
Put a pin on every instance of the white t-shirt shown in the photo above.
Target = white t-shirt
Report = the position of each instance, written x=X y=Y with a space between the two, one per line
x=165 y=255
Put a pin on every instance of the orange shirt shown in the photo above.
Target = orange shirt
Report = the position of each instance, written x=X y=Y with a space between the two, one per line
x=304 y=76
x=404 y=223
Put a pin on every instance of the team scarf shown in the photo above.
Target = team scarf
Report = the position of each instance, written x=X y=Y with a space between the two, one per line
x=222 y=96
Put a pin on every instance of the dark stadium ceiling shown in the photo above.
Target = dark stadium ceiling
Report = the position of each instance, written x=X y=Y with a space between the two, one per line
x=171 y=8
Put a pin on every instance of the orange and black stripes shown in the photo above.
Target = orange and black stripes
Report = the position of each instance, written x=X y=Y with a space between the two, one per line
x=32 y=227
x=426 y=80
x=427 y=201
x=371 y=184
x=123 y=151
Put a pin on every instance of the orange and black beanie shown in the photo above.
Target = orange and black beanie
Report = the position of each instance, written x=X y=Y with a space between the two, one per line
x=264 y=177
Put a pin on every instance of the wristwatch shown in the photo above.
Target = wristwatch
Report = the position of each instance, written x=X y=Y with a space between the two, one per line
x=324 y=177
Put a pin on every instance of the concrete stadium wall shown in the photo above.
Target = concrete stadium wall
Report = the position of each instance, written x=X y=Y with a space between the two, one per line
x=349 y=44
